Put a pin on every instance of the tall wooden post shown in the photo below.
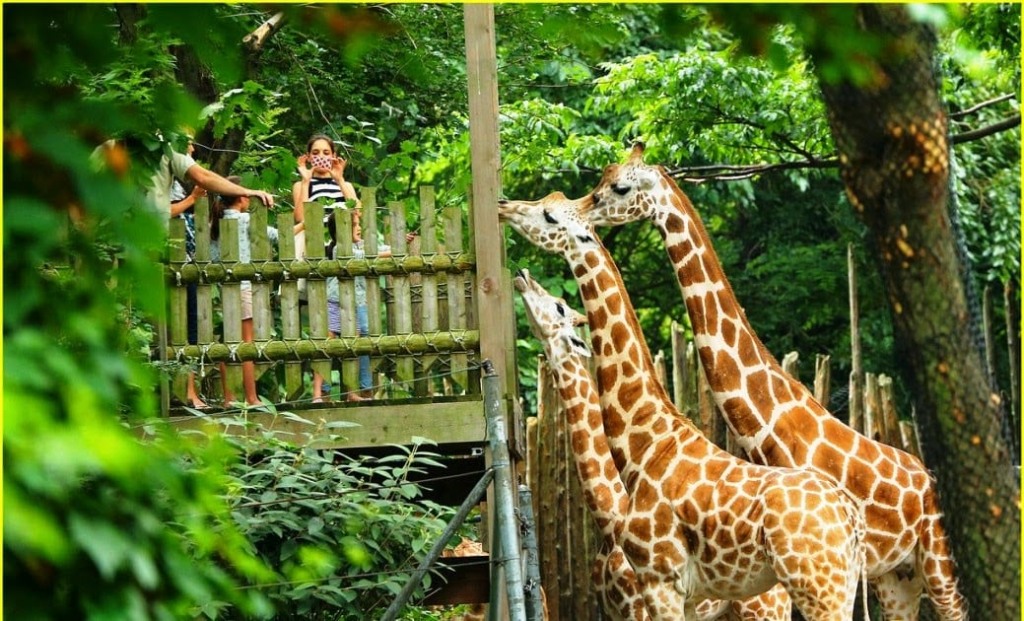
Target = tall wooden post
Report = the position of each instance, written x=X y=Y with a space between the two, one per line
x=494 y=304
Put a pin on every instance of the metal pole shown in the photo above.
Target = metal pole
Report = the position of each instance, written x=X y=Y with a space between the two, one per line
x=505 y=510
x=435 y=552
x=534 y=599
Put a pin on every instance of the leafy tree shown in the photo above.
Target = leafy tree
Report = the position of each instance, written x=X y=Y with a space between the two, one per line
x=891 y=134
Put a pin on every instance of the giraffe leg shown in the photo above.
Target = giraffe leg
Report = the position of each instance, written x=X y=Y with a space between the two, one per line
x=936 y=566
x=617 y=588
x=772 y=605
x=899 y=594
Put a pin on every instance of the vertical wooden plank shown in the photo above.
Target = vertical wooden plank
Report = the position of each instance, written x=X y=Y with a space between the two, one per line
x=204 y=292
x=291 y=320
x=471 y=294
x=231 y=302
x=347 y=301
x=988 y=330
x=456 y=293
x=371 y=233
x=259 y=252
x=428 y=248
x=908 y=438
x=316 y=288
x=563 y=472
x=404 y=366
x=177 y=318
x=822 y=378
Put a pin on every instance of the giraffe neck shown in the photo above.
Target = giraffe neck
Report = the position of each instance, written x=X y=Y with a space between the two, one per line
x=742 y=374
x=634 y=405
x=602 y=486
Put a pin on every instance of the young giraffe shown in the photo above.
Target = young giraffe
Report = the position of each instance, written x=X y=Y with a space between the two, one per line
x=554 y=323
x=701 y=523
x=776 y=419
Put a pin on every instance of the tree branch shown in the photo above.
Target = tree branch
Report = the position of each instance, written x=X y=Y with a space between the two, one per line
x=962 y=113
x=994 y=128
x=255 y=39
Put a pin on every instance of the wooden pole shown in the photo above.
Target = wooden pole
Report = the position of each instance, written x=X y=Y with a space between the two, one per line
x=493 y=294
x=822 y=378
x=856 y=372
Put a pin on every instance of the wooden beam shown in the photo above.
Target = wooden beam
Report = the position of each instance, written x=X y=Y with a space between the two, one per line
x=376 y=425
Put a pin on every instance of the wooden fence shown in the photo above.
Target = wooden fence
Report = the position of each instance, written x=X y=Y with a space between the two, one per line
x=568 y=538
x=423 y=338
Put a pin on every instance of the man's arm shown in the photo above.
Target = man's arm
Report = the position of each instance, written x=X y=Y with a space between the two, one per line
x=215 y=183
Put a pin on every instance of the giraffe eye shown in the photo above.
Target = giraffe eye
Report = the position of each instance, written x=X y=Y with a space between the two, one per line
x=560 y=309
x=621 y=190
x=549 y=219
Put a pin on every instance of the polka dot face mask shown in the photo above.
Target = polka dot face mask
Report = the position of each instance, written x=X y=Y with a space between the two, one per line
x=321 y=161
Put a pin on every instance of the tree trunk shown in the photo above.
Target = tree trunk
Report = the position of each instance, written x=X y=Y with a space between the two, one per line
x=894 y=158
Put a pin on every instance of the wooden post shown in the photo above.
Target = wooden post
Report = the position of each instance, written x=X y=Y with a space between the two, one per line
x=989 y=330
x=259 y=251
x=493 y=290
x=872 y=408
x=679 y=370
x=291 y=320
x=548 y=487
x=316 y=289
x=177 y=317
x=404 y=367
x=370 y=250
x=231 y=301
x=822 y=378
x=659 y=368
x=346 y=301
x=791 y=364
x=1012 y=308
x=456 y=287
x=890 y=420
x=856 y=372
x=428 y=248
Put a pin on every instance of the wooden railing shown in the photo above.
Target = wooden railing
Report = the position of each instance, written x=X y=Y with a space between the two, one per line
x=423 y=334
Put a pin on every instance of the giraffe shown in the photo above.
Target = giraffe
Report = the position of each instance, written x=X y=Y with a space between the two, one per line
x=701 y=523
x=554 y=323
x=776 y=420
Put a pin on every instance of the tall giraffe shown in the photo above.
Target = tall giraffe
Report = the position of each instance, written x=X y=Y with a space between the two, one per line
x=776 y=420
x=701 y=523
x=554 y=324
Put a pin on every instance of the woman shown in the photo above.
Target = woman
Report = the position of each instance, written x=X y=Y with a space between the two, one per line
x=322 y=175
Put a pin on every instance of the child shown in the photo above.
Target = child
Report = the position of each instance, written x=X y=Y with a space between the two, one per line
x=237 y=208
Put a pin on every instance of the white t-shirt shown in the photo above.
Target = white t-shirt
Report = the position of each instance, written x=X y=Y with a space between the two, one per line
x=171 y=167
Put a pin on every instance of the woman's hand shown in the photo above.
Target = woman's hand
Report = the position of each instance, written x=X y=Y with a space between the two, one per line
x=304 y=170
x=338 y=170
x=198 y=192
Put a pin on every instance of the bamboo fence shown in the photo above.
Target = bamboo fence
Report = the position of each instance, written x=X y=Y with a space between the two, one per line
x=423 y=336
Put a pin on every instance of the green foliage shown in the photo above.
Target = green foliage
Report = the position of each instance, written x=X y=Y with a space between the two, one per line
x=344 y=532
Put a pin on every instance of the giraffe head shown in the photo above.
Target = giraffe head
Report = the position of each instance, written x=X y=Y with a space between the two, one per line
x=553 y=321
x=626 y=192
x=552 y=223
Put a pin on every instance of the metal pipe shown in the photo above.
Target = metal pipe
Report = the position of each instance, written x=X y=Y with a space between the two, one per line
x=507 y=530
x=435 y=552
x=534 y=598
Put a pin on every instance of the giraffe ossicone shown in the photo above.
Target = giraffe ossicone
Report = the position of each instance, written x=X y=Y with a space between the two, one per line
x=701 y=523
x=776 y=420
